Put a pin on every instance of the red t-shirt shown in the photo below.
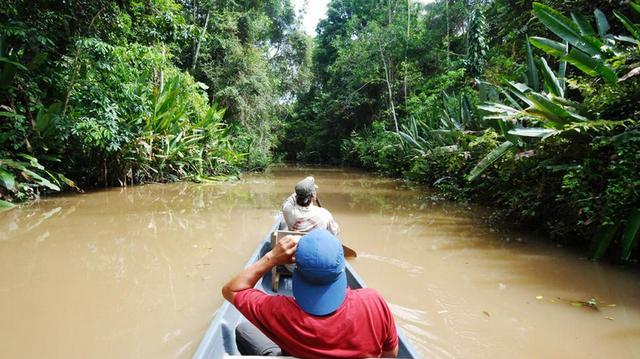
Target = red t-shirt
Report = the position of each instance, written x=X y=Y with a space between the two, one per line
x=363 y=325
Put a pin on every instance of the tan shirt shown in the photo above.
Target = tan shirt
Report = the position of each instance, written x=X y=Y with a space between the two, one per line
x=305 y=219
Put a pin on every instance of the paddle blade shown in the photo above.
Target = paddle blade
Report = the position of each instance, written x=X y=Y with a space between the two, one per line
x=348 y=252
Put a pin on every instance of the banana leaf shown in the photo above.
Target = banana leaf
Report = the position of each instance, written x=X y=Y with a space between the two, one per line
x=602 y=239
x=532 y=70
x=566 y=29
x=630 y=234
x=551 y=47
x=583 y=24
x=562 y=69
x=590 y=66
x=8 y=180
x=628 y=39
x=6 y=205
x=533 y=132
x=551 y=82
x=602 y=23
x=554 y=113
x=489 y=159
x=628 y=24
x=520 y=90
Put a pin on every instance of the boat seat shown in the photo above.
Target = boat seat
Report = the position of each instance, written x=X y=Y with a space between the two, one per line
x=284 y=270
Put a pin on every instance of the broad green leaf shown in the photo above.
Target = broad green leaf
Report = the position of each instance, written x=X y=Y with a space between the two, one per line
x=583 y=24
x=8 y=180
x=568 y=103
x=520 y=91
x=562 y=69
x=628 y=39
x=532 y=132
x=532 y=70
x=635 y=6
x=41 y=180
x=14 y=63
x=566 y=29
x=6 y=205
x=551 y=111
x=550 y=80
x=11 y=115
x=602 y=239
x=68 y=182
x=498 y=108
x=489 y=159
x=32 y=161
x=630 y=234
x=551 y=47
x=590 y=66
x=633 y=28
x=602 y=23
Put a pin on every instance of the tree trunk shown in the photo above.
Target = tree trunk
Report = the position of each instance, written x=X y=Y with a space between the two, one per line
x=76 y=66
x=197 y=52
x=406 y=49
x=389 y=88
x=448 y=38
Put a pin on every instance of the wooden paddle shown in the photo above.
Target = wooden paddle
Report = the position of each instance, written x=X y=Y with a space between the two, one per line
x=348 y=252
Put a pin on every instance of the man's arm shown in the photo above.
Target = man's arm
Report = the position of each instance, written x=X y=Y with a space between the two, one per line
x=390 y=353
x=283 y=253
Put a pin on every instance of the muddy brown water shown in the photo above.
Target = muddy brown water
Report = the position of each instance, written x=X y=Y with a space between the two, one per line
x=136 y=272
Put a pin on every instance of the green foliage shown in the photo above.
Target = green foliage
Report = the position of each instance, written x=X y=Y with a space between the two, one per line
x=596 y=54
x=105 y=86
x=476 y=55
x=377 y=149
x=25 y=178
x=531 y=136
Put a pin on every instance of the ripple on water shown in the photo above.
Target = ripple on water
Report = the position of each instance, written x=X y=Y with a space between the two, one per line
x=406 y=266
x=418 y=329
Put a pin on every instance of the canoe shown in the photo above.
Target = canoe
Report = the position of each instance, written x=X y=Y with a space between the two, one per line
x=220 y=341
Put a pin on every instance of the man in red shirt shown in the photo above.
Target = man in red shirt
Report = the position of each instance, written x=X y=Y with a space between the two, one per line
x=325 y=318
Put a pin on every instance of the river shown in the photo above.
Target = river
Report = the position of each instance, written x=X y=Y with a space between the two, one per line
x=136 y=272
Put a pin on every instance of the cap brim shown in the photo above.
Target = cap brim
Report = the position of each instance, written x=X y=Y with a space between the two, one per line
x=319 y=299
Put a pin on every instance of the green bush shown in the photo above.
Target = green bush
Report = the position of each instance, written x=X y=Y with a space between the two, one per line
x=377 y=149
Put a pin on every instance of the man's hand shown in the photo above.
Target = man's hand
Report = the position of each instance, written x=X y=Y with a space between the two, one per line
x=284 y=251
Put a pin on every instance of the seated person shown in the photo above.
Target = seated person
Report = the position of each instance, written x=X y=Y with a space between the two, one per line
x=302 y=212
x=324 y=318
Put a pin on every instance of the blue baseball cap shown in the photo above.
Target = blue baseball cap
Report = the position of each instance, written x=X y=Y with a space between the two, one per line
x=319 y=280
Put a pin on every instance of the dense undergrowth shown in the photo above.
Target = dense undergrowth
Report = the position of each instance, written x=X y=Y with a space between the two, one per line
x=545 y=129
x=102 y=93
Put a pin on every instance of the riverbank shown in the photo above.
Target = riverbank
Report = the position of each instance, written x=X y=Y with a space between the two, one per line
x=580 y=189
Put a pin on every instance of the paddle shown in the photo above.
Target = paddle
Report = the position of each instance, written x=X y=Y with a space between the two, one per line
x=348 y=252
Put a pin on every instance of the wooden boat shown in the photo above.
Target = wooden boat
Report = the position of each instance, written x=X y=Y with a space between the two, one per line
x=220 y=340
